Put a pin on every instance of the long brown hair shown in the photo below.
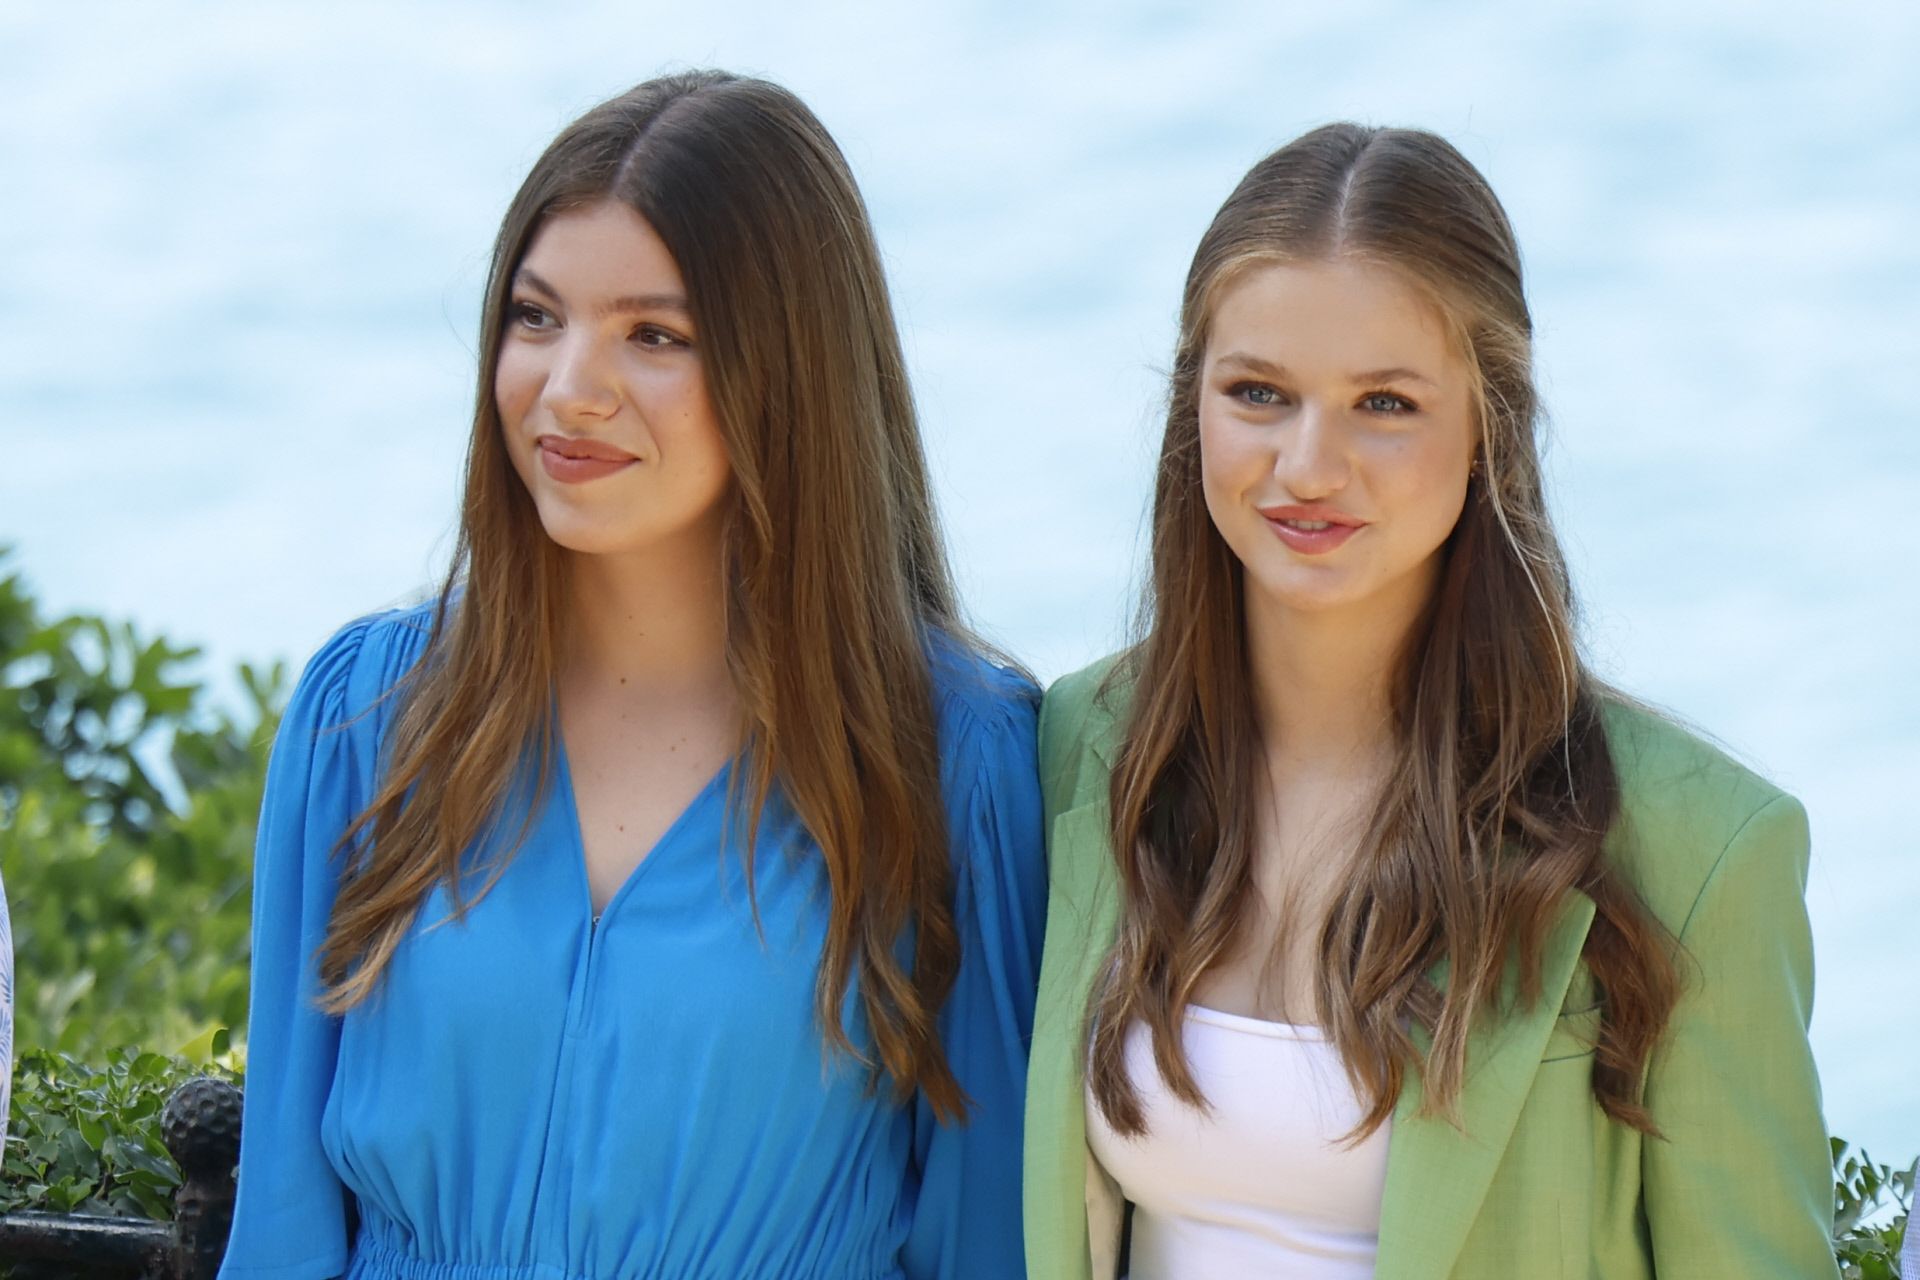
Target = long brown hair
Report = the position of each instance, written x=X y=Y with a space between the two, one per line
x=1503 y=788
x=836 y=575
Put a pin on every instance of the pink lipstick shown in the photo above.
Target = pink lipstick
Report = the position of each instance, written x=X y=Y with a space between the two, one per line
x=575 y=459
x=1312 y=530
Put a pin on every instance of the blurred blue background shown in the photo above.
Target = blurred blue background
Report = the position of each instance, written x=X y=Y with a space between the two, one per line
x=241 y=247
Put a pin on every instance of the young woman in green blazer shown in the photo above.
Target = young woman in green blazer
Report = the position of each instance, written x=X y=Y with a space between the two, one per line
x=1383 y=940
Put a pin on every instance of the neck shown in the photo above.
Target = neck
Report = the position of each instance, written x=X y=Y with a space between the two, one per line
x=647 y=625
x=1323 y=679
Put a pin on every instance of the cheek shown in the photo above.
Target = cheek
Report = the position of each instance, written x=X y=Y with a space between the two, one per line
x=1427 y=482
x=680 y=405
x=702 y=421
x=517 y=378
x=718 y=462
x=1234 y=458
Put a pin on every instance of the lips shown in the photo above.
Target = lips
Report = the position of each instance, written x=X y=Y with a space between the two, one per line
x=576 y=459
x=1312 y=530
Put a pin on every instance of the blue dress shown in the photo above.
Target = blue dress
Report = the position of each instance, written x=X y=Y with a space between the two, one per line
x=532 y=1096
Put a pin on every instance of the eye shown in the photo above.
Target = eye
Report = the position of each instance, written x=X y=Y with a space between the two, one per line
x=1387 y=402
x=1257 y=394
x=526 y=315
x=652 y=335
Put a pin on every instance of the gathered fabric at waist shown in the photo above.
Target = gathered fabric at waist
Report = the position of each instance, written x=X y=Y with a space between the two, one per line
x=375 y=1260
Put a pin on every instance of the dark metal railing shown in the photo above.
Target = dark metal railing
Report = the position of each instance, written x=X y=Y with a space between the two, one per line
x=201 y=1127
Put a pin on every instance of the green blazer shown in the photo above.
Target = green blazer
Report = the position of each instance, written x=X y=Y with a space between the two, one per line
x=1537 y=1183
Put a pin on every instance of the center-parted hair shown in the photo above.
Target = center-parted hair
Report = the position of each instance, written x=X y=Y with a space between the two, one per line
x=1503 y=788
x=835 y=571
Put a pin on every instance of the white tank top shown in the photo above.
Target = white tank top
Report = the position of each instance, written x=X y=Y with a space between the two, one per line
x=1259 y=1186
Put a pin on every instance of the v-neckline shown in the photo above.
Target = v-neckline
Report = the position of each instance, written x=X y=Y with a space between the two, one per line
x=579 y=851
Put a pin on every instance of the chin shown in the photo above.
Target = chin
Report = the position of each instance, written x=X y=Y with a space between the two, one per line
x=583 y=534
x=587 y=537
x=1306 y=588
x=578 y=544
x=1293 y=597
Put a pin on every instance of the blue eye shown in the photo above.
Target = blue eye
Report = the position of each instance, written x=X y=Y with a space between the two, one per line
x=1387 y=402
x=1258 y=394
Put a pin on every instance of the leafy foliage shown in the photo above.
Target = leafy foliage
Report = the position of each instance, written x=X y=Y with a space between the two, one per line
x=127 y=811
x=1867 y=1245
x=87 y=1139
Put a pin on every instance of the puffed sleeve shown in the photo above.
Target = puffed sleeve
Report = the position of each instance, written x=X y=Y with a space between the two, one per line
x=966 y=1223
x=1741 y=1185
x=290 y=1219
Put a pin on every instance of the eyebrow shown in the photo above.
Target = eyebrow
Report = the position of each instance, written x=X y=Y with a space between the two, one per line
x=1268 y=369
x=626 y=304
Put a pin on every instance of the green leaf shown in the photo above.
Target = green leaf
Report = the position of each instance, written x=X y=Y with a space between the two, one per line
x=87 y=1137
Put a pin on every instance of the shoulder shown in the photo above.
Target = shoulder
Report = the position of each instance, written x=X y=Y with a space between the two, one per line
x=1686 y=806
x=987 y=712
x=1075 y=698
x=1080 y=718
x=355 y=671
x=327 y=750
x=982 y=703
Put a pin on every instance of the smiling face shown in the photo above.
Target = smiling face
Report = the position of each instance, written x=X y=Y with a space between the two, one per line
x=1336 y=435
x=603 y=402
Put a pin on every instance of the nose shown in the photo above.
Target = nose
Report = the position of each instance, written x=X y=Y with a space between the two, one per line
x=580 y=383
x=1312 y=461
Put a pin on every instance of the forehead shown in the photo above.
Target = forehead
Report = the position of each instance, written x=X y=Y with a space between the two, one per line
x=1330 y=315
x=603 y=247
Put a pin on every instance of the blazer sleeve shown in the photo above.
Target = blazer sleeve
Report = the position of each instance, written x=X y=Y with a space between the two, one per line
x=1740 y=1185
x=290 y=1217
x=966 y=1222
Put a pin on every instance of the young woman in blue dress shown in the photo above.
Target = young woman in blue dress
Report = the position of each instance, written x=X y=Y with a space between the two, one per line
x=663 y=900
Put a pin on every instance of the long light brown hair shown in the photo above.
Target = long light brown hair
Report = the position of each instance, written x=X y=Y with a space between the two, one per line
x=1503 y=787
x=836 y=575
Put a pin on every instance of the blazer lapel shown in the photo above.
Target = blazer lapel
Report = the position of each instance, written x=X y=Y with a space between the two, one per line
x=1082 y=915
x=1437 y=1174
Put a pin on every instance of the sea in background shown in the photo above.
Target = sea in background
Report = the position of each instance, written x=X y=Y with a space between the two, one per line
x=241 y=248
